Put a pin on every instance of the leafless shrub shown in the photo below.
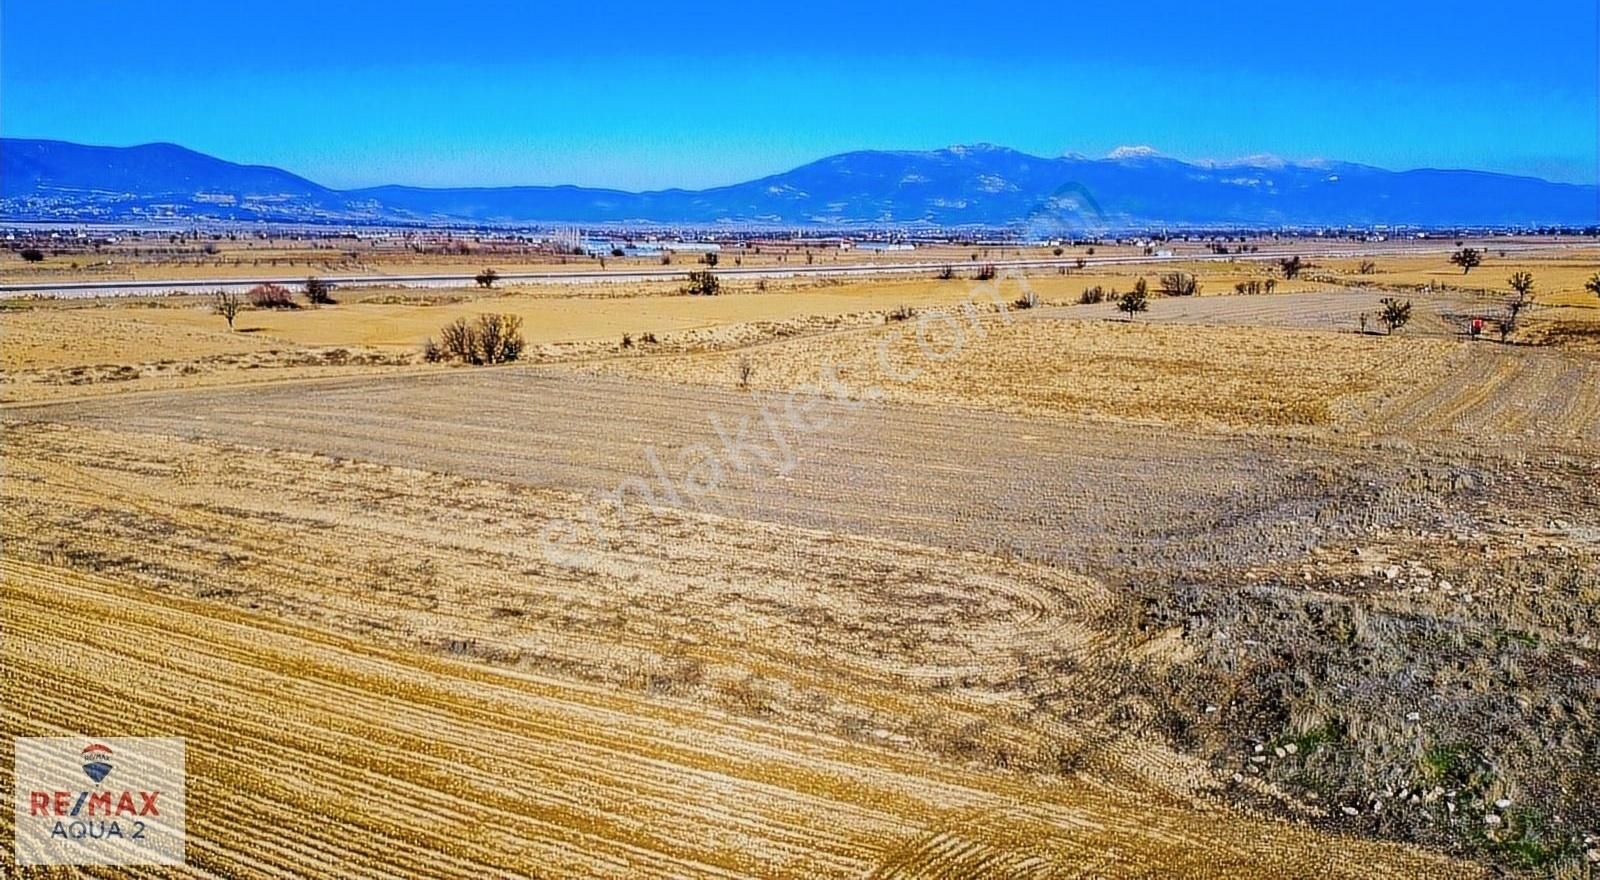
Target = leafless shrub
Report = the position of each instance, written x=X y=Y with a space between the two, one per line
x=746 y=370
x=1092 y=295
x=486 y=278
x=1179 y=284
x=986 y=272
x=1367 y=267
x=319 y=292
x=702 y=284
x=491 y=339
x=272 y=296
x=901 y=313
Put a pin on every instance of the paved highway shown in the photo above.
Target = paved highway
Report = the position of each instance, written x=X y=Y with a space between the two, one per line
x=600 y=276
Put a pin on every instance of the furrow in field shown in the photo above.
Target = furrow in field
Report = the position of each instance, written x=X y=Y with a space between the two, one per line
x=298 y=724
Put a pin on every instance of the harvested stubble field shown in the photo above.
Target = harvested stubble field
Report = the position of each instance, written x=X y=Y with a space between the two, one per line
x=1218 y=593
x=314 y=753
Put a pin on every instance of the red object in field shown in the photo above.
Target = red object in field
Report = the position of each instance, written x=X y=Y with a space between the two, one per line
x=1477 y=326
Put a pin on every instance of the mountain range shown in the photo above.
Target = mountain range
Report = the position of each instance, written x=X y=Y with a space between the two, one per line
x=978 y=186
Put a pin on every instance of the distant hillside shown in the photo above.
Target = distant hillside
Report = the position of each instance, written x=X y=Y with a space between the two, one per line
x=960 y=186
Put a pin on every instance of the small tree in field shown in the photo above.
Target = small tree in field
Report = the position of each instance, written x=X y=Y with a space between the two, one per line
x=1522 y=283
x=1593 y=284
x=710 y=259
x=32 y=255
x=1468 y=259
x=1136 y=300
x=1506 y=324
x=227 y=304
x=1395 y=313
x=1291 y=267
x=319 y=292
x=1522 y=286
x=486 y=278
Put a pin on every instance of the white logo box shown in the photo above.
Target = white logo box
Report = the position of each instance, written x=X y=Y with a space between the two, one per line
x=99 y=801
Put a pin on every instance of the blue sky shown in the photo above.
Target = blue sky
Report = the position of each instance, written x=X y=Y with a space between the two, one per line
x=677 y=94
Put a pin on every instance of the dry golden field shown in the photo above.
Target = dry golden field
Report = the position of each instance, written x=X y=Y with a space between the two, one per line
x=886 y=577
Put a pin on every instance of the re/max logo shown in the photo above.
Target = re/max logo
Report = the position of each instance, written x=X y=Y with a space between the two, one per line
x=92 y=803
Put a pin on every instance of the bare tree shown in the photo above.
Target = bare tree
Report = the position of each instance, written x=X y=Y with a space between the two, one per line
x=1506 y=324
x=1522 y=283
x=1522 y=289
x=227 y=304
x=1291 y=267
x=1135 y=300
x=1395 y=313
x=1593 y=284
x=486 y=278
x=746 y=371
x=1467 y=258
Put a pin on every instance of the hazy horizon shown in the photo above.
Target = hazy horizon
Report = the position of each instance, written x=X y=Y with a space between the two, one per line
x=1257 y=160
x=642 y=101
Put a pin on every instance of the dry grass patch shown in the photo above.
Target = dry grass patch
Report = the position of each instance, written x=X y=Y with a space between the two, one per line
x=1186 y=374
